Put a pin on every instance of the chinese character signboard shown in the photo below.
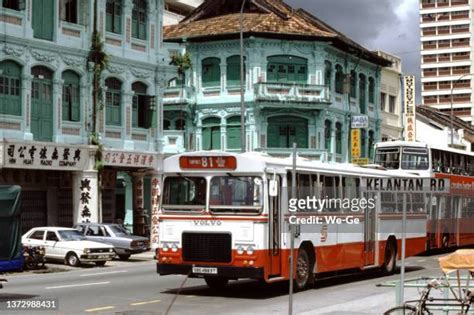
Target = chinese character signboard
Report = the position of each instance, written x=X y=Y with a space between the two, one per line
x=360 y=161
x=41 y=155
x=130 y=159
x=155 y=204
x=360 y=121
x=355 y=143
x=410 y=109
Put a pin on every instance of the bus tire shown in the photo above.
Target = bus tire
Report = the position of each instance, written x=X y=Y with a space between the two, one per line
x=216 y=282
x=304 y=275
x=390 y=257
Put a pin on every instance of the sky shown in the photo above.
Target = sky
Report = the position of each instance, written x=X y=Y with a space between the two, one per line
x=388 y=25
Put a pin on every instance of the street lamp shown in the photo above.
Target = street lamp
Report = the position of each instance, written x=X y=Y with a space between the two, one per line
x=452 y=110
x=242 y=97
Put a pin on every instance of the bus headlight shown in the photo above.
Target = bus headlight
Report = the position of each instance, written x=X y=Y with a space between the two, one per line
x=240 y=249
x=250 y=250
x=165 y=247
x=174 y=248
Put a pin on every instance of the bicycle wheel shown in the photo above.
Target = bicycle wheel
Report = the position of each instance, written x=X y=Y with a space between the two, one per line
x=402 y=310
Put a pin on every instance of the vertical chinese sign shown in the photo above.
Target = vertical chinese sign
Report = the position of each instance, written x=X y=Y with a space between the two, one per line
x=355 y=143
x=410 y=107
x=85 y=199
x=155 y=204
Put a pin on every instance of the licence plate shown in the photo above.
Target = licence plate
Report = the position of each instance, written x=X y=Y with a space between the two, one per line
x=205 y=270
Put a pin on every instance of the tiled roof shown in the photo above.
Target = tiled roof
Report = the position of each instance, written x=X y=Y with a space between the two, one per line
x=445 y=119
x=220 y=19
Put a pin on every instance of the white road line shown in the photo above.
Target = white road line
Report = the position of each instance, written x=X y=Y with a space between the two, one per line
x=145 y=302
x=77 y=285
x=421 y=260
x=102 y=273
x=98 y=309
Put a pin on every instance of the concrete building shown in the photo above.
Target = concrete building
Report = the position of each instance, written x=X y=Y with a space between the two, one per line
x=434 y=127
x=446 y=56
x=176 y=10
x=303 y=83
x=391 y=99
x=47 y=116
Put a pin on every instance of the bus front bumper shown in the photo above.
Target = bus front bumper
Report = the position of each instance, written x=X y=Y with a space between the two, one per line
x=222 y=271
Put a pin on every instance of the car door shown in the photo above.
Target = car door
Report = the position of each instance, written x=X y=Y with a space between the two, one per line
x=52 y=245
x=36 y=238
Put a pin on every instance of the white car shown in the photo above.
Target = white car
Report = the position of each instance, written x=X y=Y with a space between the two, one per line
x=68 y=245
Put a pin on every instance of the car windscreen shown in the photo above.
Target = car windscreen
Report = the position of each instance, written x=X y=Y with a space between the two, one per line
x=71 y=235
x=119 y=230
x=184 y=193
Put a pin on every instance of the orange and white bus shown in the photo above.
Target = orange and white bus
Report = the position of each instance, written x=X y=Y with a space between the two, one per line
x=451 y=216
x=226 y=216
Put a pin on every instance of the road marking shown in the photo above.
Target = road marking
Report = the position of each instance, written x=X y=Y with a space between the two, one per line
x=76 y=285
x=98 y=309
x=144 y=303
x=190 y=296
x=421 y=260
x=102 y=273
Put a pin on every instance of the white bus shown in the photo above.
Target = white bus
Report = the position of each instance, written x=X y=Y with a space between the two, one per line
x=450 y=216
x=226 y=216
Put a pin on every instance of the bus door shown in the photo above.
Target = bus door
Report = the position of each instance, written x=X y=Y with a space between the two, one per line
x=433 y=220
x=369 y=232
x=274 y=227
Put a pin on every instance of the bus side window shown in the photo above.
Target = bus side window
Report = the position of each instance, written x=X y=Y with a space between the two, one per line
x=314 y=186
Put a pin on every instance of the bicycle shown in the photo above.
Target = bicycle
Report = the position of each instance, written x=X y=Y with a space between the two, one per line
x=422 y=305
x=455 y=262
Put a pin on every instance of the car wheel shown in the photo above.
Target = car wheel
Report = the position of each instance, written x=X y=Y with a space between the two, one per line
x=100 y=263
x=390 y=258
x=124 y=257
x=72 y=260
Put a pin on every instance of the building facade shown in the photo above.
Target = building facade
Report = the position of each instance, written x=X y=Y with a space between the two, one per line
x=447 y=55
x=48 y=117
x=391 y=99
x=302 y=84
x=176 y=10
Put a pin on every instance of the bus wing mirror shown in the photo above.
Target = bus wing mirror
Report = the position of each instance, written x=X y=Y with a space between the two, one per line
x=273 y=188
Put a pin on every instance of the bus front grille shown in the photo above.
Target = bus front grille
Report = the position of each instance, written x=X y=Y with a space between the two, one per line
x=207 y=247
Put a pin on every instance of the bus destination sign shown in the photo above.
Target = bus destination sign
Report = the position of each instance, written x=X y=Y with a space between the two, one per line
x=208 y=162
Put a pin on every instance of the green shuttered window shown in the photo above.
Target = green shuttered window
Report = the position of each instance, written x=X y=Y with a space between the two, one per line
x=113 y=16
x=233 y=132
x=211 y=133
x=113 y=99
x=339 y=79
x=233 y=71
x=327 y=135
x=143 y=114
x=139 y=19
x=287 y=69
x=43 y=19
x=284 y=130
x=362 y=94
x=371 y=90
x=211 y=72
x=353 y=81
x=10 y=88
x=338 y=138
x=71 y=96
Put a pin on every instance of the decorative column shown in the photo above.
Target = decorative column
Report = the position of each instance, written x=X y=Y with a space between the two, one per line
x=85 y=102
x=127 y=23
x=26 y=80
x=126 y=105
x=57 y=109
x=333 y=141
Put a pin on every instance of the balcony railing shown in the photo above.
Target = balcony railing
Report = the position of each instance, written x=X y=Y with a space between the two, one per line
x=179 y=96
x=293 y=92
x=314 y=154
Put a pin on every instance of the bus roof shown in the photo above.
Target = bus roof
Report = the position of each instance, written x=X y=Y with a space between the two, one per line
x=255 y=162
x=421 y=145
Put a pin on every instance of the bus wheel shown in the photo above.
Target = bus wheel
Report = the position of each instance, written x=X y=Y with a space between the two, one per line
x=390 y=258
x=445 y=240
x=304 y=270
x=216 y=282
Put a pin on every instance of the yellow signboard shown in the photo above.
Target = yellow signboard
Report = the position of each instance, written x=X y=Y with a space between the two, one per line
x=360 y=161
x=355 y=143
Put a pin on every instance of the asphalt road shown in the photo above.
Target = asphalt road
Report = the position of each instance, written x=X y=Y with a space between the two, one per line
x=135 y=288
